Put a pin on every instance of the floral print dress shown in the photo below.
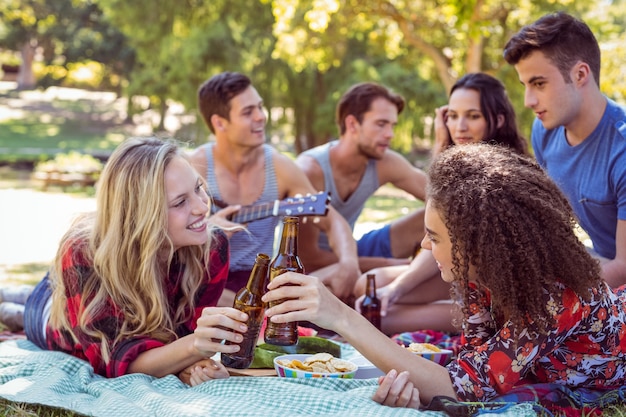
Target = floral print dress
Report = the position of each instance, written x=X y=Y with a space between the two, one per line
x=587 y=347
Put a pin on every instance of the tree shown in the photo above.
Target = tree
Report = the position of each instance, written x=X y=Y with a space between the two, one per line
x=22 y=23
x=440 y=39
x=180 y=44
x=66 y=31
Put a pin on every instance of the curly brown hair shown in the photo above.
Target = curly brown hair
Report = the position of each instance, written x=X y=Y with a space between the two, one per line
x=508 y=220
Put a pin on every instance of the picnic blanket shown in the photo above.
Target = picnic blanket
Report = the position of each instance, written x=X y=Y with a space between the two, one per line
x=31 y=375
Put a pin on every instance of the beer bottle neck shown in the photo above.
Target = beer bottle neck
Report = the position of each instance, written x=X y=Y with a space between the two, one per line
x=289 y=238
x=370 y=288
x=258 y=276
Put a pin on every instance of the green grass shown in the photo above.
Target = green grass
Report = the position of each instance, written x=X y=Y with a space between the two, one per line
x=30 y=273
x=11 y=409
x=388 y=204
x=36 y=128
x=35 y=140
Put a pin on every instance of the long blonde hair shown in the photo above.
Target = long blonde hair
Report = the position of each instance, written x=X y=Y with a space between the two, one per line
x=126 y=242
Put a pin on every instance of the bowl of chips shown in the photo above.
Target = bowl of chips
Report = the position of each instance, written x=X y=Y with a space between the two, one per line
x=320 y=365
x=431 y=352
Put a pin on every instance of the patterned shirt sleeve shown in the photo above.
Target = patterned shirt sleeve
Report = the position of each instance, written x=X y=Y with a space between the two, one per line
x=493 y=364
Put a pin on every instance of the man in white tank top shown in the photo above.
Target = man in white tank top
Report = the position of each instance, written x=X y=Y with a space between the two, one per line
x=235 y=166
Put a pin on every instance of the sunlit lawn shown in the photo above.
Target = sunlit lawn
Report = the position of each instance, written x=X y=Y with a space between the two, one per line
x=31 y=139
x=35 y=125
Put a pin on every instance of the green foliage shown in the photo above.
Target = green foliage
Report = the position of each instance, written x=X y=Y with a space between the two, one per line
x=68 y=32
x=300 y=55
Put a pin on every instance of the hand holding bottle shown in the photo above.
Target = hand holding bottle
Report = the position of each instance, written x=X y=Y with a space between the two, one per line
x=217 y=324
x=248 y=300
x=286 y=260
x=306 y=298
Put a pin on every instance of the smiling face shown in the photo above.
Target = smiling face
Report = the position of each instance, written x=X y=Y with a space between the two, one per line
x=376 y=130
x=187 y=204
x=247 y=119
x=464 y=118
x=437 y=240
x=554 y=101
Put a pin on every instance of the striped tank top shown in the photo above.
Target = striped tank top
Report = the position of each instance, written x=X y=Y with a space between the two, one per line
x=259 y=237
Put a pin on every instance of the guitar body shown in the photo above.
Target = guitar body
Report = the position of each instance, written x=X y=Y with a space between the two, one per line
x=310 y=205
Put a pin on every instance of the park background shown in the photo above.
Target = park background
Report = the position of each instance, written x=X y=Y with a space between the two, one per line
x=80 y=76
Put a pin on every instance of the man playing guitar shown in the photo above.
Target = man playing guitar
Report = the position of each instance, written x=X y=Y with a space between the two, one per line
x=242 y=170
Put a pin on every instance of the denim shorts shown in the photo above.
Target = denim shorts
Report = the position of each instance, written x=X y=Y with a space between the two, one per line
x=376 y=243
x=37 y=313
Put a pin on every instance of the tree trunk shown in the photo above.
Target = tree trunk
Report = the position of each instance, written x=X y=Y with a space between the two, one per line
x=162 y=113
x=26 y=76
x=474 y=55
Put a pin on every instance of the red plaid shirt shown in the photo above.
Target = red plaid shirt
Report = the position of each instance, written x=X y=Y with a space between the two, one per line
x=109 y=319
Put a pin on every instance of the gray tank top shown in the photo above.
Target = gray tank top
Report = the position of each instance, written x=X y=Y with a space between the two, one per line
x=351 y=208
x=260 y=235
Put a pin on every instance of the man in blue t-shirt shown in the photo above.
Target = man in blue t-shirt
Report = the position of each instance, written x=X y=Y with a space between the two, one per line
x=579 y=135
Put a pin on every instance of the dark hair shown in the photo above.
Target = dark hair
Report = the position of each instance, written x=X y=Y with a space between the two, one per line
x=358 y=100
x=494 y=102
x=563 y=39
x=511 y=222
x=214 y=95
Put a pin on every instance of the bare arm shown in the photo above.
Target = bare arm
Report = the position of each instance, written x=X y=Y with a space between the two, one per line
x=309 y=300
x=395 y=169
x=442 y=134
x=614 y=271
x=313 y=257
x=215 y=324
x=422 y=268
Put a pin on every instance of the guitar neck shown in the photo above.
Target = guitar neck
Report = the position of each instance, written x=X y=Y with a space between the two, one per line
x=310 y=205
x=256 y=212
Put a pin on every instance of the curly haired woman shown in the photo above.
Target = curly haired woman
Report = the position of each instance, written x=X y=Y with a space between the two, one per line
x=534 y=307
x=135 y=284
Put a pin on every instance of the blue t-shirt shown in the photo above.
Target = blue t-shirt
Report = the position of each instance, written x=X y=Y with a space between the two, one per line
x=592 y=174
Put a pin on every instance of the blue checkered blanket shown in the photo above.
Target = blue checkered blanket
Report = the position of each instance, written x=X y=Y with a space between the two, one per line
x=30 y=375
